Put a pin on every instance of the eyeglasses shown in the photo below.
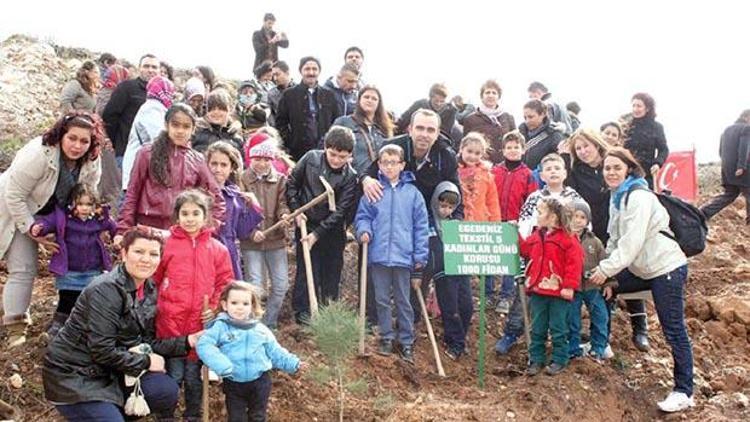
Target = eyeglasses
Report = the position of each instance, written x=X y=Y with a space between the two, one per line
x=390 y=163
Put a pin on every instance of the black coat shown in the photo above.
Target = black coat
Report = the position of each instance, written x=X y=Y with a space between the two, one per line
x=208 y=133
x=735 y=154
x=87 y=359
x=120 y=111
x=291 y=119
x=589 y=183
x=264 y=50
x=447 y=116
x=539 y=142
x=647 y=142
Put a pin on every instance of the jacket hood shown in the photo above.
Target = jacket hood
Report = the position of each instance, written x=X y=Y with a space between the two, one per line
x=442 y=187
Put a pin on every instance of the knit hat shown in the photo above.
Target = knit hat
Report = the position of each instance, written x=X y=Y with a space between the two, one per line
x=306 y=59
x=583 y=206
x=193 y=87
x=263 y=150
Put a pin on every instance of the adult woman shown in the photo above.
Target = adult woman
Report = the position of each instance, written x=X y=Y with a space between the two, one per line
x=490 y=120
x=111 y=333
x=645 y=138
x=41 y=175
x=371 y=126
x=110 y=185
x=612 y=133
x=79 y=93
x=644 y=257
x=541 y=137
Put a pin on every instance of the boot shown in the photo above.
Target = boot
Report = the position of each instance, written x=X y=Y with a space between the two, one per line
x=16 y=334
x=58 y=321
x=637 y=311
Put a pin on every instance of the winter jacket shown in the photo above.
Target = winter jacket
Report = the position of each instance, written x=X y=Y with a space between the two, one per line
x=242 y=351
x=207 y=133
x=120 y=111
x=589 y=182
x=265 y=51
x=102 y=98
x=593 y=254
x=647 y=142
x=274 y=97
x=436 y=264
x=397 y=224
x=304 y=185
x=479 y=192
x=492 y=130
x=560 y=115
x=293 y=113
x=440 y=165
x=149 y=202
x=447 y=116
x=74 y=97
x=270 y=190
x=147 y=125
x=253 y=117
x=528 y=218
x=240 y=220
x=555 y=261
x=28 y=185
x=363 y=136
x=513 y=188
x=346 y=101
x=190 y=269
x=734 y=150
x=81 y=248
x=539 y=142
x=87 y=359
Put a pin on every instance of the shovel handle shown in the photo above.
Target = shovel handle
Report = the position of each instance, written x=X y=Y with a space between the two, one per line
x=430 y=334
x=309 y=273
x=362 y=299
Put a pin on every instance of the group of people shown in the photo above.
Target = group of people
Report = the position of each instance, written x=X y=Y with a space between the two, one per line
x=204 y=189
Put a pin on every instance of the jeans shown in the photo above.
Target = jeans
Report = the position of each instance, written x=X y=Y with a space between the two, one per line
x=455 y=300
x=187 y=373
x=276 y=262
x=327 y=258
x=668 y=291
x=507 y=287
x=549 y=315
x=599 y=319
x=160 y=392
x=247 y=401
x=397 y=280
x=725 y=198
x=21 y=259
x=514 y=320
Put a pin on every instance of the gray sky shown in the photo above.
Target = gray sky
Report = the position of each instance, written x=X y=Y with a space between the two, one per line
x=691 y=57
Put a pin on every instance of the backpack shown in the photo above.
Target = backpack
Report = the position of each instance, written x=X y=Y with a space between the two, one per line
x=687 y=222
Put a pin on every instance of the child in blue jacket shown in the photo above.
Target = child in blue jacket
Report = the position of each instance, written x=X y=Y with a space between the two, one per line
x=397 y=230
x=241 y=350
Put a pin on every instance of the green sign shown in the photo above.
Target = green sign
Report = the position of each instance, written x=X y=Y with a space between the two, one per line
x=473 y=248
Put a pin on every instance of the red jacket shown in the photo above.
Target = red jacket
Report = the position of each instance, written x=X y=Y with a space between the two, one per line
x=150 y=203
x=513 y=187
x=189 y=269
x=555 y=261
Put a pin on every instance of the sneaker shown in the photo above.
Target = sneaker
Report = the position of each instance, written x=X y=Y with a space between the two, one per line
x=452 y=354
x=676 y=402
x=406 y=353
x=503 y=346
x=534 y=368
x=503 y=306
x=385 y=347
x=585 y=348
x=640 y=341
x=608 y=353
x=554 y=368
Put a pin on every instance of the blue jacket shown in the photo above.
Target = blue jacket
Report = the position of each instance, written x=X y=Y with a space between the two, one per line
x=397 y=224
x=243 y=350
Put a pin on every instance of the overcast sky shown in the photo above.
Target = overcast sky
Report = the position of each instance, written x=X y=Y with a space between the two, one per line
x=692 y=58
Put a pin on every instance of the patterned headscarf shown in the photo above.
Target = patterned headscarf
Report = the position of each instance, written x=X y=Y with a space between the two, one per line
x=162 y=89
x=114 y=75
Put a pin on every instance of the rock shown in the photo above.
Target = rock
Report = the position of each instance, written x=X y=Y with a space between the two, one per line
x=727 y=315
x=15 y=381
x=511 y=415
x=741 y=399
x=738 y=330
x=718 y=332
x=698 y=307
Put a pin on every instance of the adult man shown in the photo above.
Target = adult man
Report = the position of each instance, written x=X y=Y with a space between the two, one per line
x=306 y=112
x=126 y=99
x=436 y=102
x=344 y=87
x=280 y=76
x=266 y=41
x=354 y=56
x=735 y=167
x=558 y=115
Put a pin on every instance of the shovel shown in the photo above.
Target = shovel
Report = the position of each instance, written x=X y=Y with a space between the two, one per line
x=309 y=273
x=430 y=334
x=327 y=195
x=362 y=300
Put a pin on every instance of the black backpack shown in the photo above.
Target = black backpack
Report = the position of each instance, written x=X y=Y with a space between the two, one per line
x=687 y=222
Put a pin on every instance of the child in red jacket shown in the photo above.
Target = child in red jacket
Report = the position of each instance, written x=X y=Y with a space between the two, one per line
x=194 y=265
x=553 y=274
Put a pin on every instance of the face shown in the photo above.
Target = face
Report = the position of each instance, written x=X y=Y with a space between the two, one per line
x=141 y=258
x=180 y=129
x=93 y=75
x=347 y=81
x=149 y=68
x=472 y=153
x=424 y=132
x=261 y=166
x=553 y=173
x=587 y=152
x=76 y=142
x=615 y=172
x=490 y=97
x=197 y=74
x=437 y=102
x=163 y=72
x=337 y=159
x=310 y=72
x=612 y=136
x=369 y=102
x=535 y=94
x=221 y=167
x=580 y=221
x=191 y=218
x=217 y=116
x=512 y=151
x=266 y=77
x=239 y=305
x=268 y=25
x=639 y=109
x=196 y=103
x=545 y=217
x=445 y=209
x=391 y=166
x=84 y=207
x=532 y=118
x=353 y=57
x=280 y=77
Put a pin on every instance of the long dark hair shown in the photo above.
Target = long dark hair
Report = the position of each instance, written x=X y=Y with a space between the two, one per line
x=648 y=101
x=159 y=164
x=380 y=119
x=83 y=119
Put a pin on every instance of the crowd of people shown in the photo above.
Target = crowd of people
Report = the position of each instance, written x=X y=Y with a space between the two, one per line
x=195 y=188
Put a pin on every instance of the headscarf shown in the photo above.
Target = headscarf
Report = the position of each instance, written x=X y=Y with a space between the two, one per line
x=193 y=87
x=162 y=89
x=114 y=75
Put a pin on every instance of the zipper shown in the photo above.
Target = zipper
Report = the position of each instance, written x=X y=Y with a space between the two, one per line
x=390 y=232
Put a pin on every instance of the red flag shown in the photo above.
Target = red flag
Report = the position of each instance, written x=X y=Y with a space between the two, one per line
x=679 y=174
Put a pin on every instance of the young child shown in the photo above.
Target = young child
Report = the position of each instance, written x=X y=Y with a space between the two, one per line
x=396 y=229
x=326 y=235
x=241 y=214
x=81 y=255
x=453 y=292
x=243 y=351
x=514 y=183
x=589 y=293
x=555 y=266
x=217 y=124
x=194 y=265
x=262 y=180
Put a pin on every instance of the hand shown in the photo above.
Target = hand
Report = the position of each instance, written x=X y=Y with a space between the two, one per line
x=250 y=198
x=35 y=230
x=117 y=241
x=104 y=236
x=416 y=283
x=372 y=189
x=739 y=172
x=157 y=363
x=193 y=338
x=299 y=219
x=258 y=236
x=655 y=169
x=607 y=293
x=310 y=239
x=107 y=145
x=418 y=266
x=562 y=147
x=567 y=293
x=365 y=238
x=206 y=316
x=597 y=278
x=47 y=242
x=285 y=221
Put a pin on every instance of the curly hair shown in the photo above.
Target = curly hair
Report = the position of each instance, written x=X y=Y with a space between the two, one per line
x=159 y=164
x=81 y=119
x=232 y=153
x=648 y=101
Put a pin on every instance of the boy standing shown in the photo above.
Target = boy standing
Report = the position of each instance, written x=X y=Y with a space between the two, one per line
x=396 y=227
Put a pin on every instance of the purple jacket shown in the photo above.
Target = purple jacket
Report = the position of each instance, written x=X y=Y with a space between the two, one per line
x=240 y=220
x=74 y=234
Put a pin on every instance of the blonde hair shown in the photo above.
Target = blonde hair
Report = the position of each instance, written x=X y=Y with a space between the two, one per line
x=244 y=287
x=588 y=135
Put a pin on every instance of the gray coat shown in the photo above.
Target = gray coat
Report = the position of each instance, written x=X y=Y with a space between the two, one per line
x=735 y=154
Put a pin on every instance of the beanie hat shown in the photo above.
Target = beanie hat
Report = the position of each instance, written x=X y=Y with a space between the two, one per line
x=193 y=87
x=306 y=59
x=263 y=150
x=583 y=206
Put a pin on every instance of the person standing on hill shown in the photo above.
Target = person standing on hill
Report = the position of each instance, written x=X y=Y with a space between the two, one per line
x=645 y=137
x=266 y=41
x=491 y=120
x=80 y=93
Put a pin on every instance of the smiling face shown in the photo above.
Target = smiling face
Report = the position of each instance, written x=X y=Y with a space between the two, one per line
x=513 y=151
x=639 y=108
x=615 y=172
x=149 y=68
x=141 y=258
x=471 y=153
x=261 y=165
x=424 y=131
x=180 y=129
x=220 y=166
x=191 y=218
x=310 y=72
x=239 y=304
x=75 y=143
x=218 y=116
x=612 y=136
x=587 y=152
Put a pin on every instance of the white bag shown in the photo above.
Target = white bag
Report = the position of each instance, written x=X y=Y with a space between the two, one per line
x=136 y=404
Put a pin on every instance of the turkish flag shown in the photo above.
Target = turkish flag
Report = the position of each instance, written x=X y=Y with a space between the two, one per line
x=679 y=175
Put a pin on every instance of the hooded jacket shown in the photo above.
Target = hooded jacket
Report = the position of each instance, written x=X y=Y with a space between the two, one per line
x=240 y=220
x=555 y=261
x=436 y=269
x=513 y=188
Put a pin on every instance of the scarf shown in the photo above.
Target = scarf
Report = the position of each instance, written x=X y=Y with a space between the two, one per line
x=114 y=75
x=492 y=113
x=162 y=89
x=627 y=186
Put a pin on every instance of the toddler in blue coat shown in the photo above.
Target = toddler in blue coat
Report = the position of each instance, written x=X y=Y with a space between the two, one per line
x=241 y=350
